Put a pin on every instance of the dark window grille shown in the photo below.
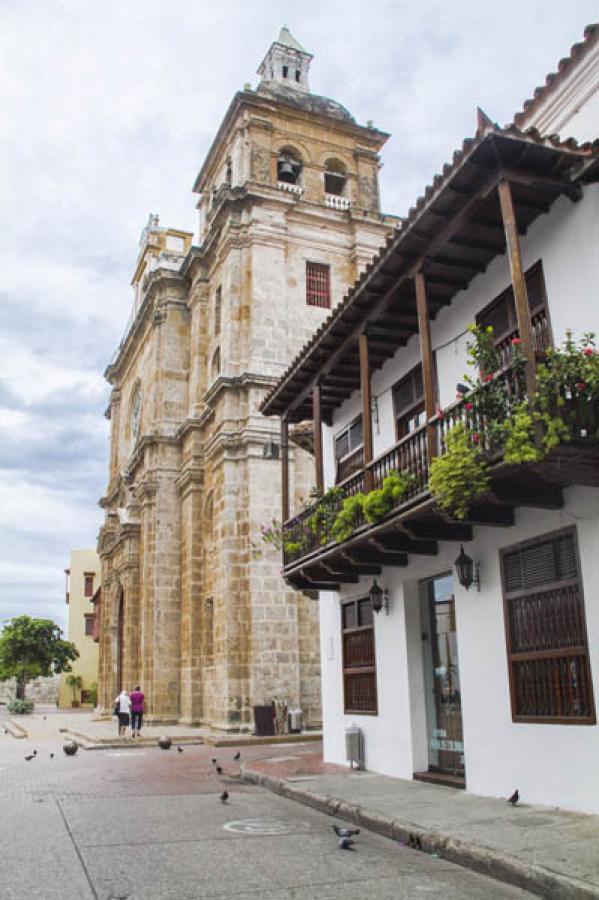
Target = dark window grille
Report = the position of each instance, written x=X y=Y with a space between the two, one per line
x=550 y=676
x=90 y=624
x=501 y=315
x=349 y=452
x=88 y=586
x=408 y=403
x=359 y=660
x=318 y=285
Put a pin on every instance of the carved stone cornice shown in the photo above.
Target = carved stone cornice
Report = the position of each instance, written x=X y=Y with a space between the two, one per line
x=155 y=286
x=190 y=480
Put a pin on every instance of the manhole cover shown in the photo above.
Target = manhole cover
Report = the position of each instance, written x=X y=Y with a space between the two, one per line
x=267 y=826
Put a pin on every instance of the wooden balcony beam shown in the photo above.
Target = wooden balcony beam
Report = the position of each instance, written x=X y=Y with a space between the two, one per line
x=439 y=530
x=546 y=496
x=402 y=543
x=551 y=182
x=498 y=516
x=350 y=565
x=323 y=572
x=301 y=583
x=374 y=560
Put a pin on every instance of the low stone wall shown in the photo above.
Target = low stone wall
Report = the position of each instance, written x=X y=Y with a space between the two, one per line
x=42 y=690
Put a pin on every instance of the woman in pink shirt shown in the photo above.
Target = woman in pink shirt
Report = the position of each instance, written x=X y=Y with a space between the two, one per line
x=137 y=710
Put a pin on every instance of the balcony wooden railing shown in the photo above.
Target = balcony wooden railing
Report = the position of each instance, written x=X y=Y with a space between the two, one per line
x=541 y=335
x=307 y=532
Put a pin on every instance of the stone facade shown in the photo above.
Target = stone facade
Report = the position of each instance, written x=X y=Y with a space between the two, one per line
x=187 y=610
x=40 y=690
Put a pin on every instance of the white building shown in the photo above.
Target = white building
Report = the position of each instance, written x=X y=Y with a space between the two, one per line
x=491 y=688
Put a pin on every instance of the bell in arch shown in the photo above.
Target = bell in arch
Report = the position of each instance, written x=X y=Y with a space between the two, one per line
x=287 y=172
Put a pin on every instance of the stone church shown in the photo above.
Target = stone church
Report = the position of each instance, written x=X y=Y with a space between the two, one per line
x=289 y=215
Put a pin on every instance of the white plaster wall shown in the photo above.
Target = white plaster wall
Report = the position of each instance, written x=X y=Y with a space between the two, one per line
x=567 y=241
x=549 y=764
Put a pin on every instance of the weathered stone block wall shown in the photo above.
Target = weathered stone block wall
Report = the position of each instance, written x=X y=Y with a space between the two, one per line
x=40 y=690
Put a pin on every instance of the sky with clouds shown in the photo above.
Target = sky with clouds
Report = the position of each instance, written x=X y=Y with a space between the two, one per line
x=107 y=112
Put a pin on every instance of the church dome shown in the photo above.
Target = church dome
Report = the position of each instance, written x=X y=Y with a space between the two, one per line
x=310 y=102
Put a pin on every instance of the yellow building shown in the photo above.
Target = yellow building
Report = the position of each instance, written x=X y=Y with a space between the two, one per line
x=82 y=597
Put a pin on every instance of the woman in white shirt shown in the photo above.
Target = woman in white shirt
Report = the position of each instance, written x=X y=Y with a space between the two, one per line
x=122 y=708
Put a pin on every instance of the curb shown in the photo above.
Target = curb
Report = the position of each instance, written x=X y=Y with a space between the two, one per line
x=240 y=740
x=94 y=743
x=14 y=729
x=492 y=863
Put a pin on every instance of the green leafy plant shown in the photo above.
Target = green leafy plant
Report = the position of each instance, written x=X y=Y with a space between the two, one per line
x=349 y=517
x=461 y=474
x=19 y=707
x=520 y=444
x=75 y=682
x=325 y=512
x=93 y=693
x=32 y=647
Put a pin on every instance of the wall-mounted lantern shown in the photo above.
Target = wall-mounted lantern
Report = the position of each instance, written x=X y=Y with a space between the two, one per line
x=379 y=598
x=467 y=570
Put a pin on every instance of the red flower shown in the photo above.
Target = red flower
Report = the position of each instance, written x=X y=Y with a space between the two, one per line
x=516 y=341
x=581 y=385
x=476 y=438
x=440 y=413
x=588 y=351
x=489 y=377
x=469 y=406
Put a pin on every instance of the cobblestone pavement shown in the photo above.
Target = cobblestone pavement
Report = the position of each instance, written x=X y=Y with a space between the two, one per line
x=147 y=824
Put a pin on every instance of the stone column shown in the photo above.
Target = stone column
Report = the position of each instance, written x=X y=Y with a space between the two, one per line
x=190 y=484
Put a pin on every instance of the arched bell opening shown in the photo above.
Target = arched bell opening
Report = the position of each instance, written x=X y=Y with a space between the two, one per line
x=335 y=177
x=289 y=167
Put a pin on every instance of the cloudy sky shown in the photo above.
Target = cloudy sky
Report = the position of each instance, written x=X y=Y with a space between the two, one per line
x=107 y=111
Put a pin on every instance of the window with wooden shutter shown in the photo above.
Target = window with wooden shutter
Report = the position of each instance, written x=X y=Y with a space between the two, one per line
x=359 y=661
x=550 y=675
x=318 y=285
x=500 y=314
x=349 y=451
x=408 y=403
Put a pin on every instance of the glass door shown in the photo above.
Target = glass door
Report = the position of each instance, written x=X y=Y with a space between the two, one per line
x=442 y=676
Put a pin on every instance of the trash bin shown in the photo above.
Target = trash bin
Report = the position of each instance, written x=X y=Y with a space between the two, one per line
x=294 y=721
x=264 y=721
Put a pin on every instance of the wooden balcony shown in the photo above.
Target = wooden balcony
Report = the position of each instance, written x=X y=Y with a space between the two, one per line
x=316 y=561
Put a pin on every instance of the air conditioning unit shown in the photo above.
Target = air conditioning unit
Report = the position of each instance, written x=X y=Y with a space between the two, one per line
x=354 y=746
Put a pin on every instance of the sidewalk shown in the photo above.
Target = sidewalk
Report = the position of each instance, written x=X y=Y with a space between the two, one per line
x=546 y=851
x=94 y=733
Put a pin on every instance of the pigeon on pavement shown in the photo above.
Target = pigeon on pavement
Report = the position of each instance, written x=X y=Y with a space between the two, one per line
x=214 y=760
x=345 y=843
x=30 y=757
x=345 y=832
x=237 y=755
x=179 y=749
x=219 y=770
x=51 y=756
x=224 y=797
x=514 y=798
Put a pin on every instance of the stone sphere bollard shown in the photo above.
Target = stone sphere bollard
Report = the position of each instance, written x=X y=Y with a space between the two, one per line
x=164 y=742
x=70 y=748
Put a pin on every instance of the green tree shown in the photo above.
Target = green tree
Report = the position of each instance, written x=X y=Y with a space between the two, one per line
x=33 y=647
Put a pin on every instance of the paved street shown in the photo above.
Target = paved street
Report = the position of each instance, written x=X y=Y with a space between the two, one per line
x=146 y=824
